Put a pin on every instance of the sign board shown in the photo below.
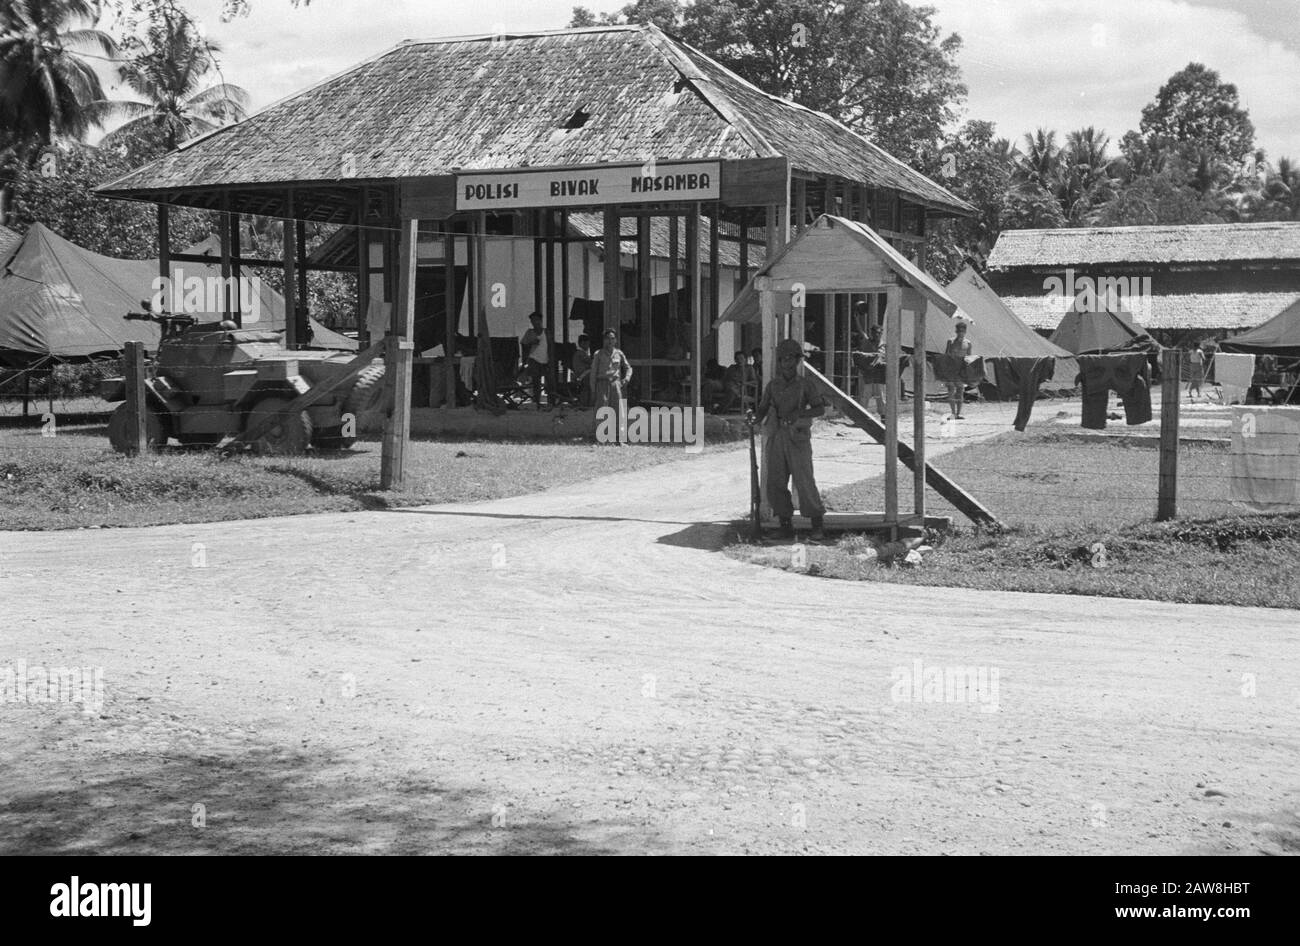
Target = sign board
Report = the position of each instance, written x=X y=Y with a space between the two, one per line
x=590 y=187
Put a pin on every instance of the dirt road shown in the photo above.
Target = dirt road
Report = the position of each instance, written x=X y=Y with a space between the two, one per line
x=579 y=671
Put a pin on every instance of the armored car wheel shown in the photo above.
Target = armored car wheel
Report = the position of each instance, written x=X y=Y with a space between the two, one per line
x=286 y=435
x=120 y=438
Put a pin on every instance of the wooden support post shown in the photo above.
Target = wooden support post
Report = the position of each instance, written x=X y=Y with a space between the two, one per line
x=696 y=303
x=236 y=302
x=292 y=340
x=800 y=204
x=612 y=276
x=1171 y=375
x=644 y=303
x=452 y=315
x=223 y=234
x=715 y=278
x=137 y=408
x=918 y=402
x=829 y=325
x=552 y=366
x=767 y=318
x=363 y=270
x=398 y=361
x=564 y=275
x=539 y=261
x=744 y=277
x=165 y=254
x=480 y=277
x=300 y=310
x=674 y=269
x=769 y=330
x=893 y=349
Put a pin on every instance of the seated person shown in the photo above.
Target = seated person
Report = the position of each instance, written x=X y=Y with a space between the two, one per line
x=737 y=375
x=715 y=388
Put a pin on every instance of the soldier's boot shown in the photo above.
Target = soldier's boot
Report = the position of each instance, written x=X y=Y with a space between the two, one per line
x=817 y=535
x=786 y=529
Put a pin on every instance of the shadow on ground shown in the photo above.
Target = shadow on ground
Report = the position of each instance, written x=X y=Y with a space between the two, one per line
x=273 y=802
x=705 y=536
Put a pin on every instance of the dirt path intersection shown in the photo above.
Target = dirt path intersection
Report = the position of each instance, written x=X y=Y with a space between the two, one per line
x=579 y=671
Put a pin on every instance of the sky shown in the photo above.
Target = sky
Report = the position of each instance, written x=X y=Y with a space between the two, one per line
x=1059 y=64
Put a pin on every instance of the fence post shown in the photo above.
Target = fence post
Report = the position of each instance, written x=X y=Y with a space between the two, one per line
x=1170 y=402
x=137 y=409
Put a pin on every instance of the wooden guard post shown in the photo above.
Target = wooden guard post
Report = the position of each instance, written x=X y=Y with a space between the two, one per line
x=1171 y=374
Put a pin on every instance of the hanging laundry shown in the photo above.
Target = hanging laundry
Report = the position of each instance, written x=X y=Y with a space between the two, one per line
x=1128 y=375
x=1019 y=378
x=968 y=369
x=1266 y=456
x=1235 y=374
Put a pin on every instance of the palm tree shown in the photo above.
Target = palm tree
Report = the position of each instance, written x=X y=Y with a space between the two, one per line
x=47 y=90
x=168 y=71
x=1086 y=173
x=1041 y=161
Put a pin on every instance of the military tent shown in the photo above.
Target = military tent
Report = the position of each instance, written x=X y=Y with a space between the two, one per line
x=1279 y=336
x=1096 y=328
x=994 y=330
x=59 y=300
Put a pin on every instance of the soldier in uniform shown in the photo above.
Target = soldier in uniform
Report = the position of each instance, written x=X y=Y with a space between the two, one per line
x=789 y=403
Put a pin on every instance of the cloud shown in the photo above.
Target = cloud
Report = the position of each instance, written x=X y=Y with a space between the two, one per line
x=1062 y=65
x=1029 y=63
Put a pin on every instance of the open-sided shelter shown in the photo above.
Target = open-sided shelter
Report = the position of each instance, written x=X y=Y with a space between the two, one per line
x=432 y=148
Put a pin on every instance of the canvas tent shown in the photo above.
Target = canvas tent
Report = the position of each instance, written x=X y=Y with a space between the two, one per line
x=59 y=300
x=994 y=331
x=1279 y=336
x=1095 y=328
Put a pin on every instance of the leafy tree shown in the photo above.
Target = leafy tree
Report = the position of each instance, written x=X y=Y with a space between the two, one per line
x=167 y=68
x=64 y=201
x=1030 y=206
x=46 y=86
x=1086 y=174
x=1197 y=109
x=976 y=166
x=1165 y=197
x=1040 y=162
x=880 y=66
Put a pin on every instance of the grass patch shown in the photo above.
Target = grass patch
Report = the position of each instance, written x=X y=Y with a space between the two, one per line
x=1069 y=507
x=1051 y=478
x=74 y=480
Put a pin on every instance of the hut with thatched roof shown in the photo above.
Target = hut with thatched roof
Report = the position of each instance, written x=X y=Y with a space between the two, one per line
x=433 y=151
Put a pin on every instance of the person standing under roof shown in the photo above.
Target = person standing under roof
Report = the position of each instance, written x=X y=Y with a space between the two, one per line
x=611 y=373
x=1196 y=372
x=792 y=402
x=958 y=347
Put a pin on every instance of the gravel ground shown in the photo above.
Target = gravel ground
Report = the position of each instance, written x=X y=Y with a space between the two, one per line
x=581 y=671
